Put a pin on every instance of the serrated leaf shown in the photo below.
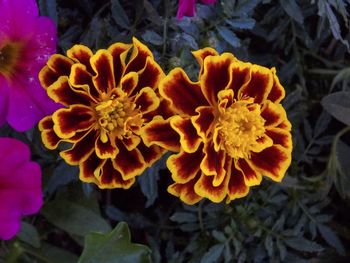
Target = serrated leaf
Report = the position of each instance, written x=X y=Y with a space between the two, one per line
x=228 y=36
x=114 y=246
x=269 y=245
x=29 y=234
x=338 y=105
x=293 y=10
x=152 y=37
x=241 y=23
x=118 y=14
x=73 y=218
x=331 y=238
x=219 y=236
x=183 y=217
x=213 y=254
x=302 y=244
x=245 y=6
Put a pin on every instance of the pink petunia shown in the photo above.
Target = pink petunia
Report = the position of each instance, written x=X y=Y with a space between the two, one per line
x=188 y=7
x=20 y=186
x=26 y=42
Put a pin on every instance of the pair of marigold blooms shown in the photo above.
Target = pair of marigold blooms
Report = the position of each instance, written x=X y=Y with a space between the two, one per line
x=122 y=113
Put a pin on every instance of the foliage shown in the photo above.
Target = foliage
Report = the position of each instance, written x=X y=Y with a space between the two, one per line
x=302 y=219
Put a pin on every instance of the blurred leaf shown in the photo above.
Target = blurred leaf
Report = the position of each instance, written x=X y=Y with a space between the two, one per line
x=228 y=36
x=302 y=244
x=55 y=254
x=48 y=8
x=331 y=238
x=29 y=234
x=338 y=105
x=245 y=6
x=73 y=218
x=183 y=217
x=152 y=37
x=112 y=247
x=293 y=10
x=241 y=23
x=213 y=254
x=119 y=15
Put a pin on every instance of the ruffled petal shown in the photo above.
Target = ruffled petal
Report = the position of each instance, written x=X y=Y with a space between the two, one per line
x=111 y=178
x=189 y=138
x=213 y=164
x=262 y=143
x=203 y=121
x=105 y=150
x=48 y=136
x=150 y=154
x=201 y=54
x=205 y=188
x=273 y=114
x=281 y=137
x=129 y=82
x=237 y=187
x=89 y=168
x=81 y=54
x=241 y=76
x=47 y=76
x=186 y=191
x=146 y=100
x=216 y=75
x=277 y=92
x=184 y=95
x=62 y=92
x=259 y=85
x=102 y=64
x=159 y=132
x=131 y=142
x=129 y=163
x=272 y=162
x=184 y=166
x=72 y=120
x=60 y=64
x=138 y=57
x=119 y=53
x=81 y=150
x=251 y=176
x=80 y=78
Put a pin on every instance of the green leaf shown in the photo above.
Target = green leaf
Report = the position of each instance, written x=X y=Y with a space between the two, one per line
x=183 y=217
x=228 y=36
x=53 y=254
x=73 y=218
x=153 y=38
x=213 y=254
x=293 y=10
x=241 y=23
x=119 y=15
x=338 y=105
x=331 y=238
x=302 y=244
x=29 y=234
x=245 y=6
x=114 y=246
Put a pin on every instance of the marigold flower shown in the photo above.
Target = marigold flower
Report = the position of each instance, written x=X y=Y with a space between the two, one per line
x=188 y=7
x=26 y=42
x=230 y=128
x=20 y=186
x=108 y=96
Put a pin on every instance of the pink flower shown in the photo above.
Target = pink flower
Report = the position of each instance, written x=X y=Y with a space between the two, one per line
x=20 y=186
x=188 y=7
x=26 y=42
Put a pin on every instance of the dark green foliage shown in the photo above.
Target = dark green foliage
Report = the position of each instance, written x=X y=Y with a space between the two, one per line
x=303 y=219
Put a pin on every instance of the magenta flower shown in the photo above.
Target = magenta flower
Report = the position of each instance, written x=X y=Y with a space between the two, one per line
x=26 y=42
x=20 y=186
x=188 y=7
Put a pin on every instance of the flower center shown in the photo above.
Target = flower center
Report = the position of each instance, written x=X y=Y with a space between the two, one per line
x=240 y=127
x=9 y=54
x=117 y=117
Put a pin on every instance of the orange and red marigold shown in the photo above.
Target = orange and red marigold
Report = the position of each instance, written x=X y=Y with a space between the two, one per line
x=107 y=98
x=228 y=130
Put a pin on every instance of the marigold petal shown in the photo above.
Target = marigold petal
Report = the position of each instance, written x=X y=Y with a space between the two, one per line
x=111 y=178
x=189 y=138
x=285 y=125
x=89 y=168
x=129 y=82
x=183 y=94
x=129 y=163
x=62 y=92
x=131 y=142
x=159 y=132
x=216 y=75
x=201 y=54
x=184 y=166
x=147 y=100
x=60 y=64
x=119 y=52
x=273 y=114
x=67 y=122
x=150 y=154
x=281 y=137
x=203 y=121
x=80 y=78
x=81 y=150
x=259 y=85
x=262 y=143
x=149 y=76
x=240 y=76
x=205 y=188
x=272 y=162
x=185 y=191
x=213 y=163
x=81 y=54
x=105 y=150
x=251 y=177
x=48 y=136
x=47 y=76
x=102 y=64
x=277 y=92
x=138 y=57
x=237 y=187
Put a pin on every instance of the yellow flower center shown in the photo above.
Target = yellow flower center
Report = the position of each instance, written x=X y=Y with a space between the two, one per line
x=9 y=54
x=240 y=126
x=117 y=117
